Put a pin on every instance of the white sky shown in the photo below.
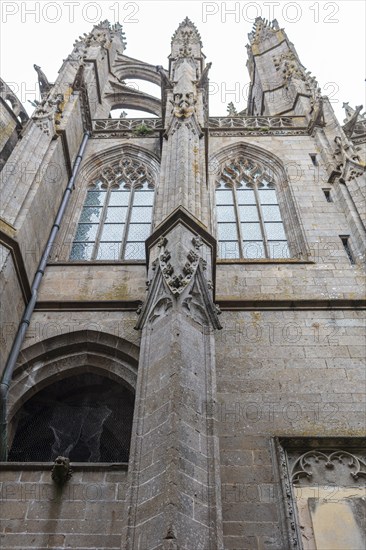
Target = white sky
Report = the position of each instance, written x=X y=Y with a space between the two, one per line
x=328 y=36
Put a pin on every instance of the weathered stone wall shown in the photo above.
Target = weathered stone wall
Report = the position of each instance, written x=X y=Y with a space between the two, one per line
x=12 y=302
x=85 y=513
x=293 y=373
x=94 y=282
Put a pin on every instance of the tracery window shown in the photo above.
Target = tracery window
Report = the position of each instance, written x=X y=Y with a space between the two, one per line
x=249 y=222
x=117 y=214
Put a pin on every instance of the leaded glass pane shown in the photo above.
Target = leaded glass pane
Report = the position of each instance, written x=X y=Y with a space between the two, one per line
x=116 y=214
x=90 y=214
x=253 y=250
x=112 y=232
x=246 y=196
x=135 y=251
x=141 y=214
x=248 y=213
x=119 y=198
x=271 y=213
x=267 y=196
x=225 y=214
x=228 y=250
x=275 y=231
x=227 y=232
x=278 y=249
x=95 y=198
x=224 y=196
x=81 y=251
x=86 y=232
x=138 y=232
x=143 y=198
x=251 y=231
x=109 y=251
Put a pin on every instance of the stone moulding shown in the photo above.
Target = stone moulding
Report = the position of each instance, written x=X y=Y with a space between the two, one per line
x=234 y=132
x=217 y=126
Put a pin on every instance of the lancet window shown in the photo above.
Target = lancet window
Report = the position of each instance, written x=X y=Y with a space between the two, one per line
x=117 y=214
x=249 y=221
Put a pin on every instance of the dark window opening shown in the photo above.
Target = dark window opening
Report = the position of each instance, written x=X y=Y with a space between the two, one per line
x=314 y=160
x=87 y=418
x=327 y=195
x=345 y=242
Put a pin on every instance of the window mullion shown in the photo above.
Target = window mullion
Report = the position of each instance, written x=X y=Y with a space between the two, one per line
x=127 y=223
x=238 y=222
x=101 y=224
x=260 y=214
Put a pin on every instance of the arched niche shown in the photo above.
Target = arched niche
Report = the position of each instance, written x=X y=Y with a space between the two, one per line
x=72 y=395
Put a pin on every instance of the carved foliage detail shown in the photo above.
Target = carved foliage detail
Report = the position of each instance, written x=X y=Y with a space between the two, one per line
x=178 y=282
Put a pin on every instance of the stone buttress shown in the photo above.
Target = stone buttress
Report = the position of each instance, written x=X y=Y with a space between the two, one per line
x=174 y=496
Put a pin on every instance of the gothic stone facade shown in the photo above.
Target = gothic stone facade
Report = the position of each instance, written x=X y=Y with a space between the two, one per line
x=196 y=341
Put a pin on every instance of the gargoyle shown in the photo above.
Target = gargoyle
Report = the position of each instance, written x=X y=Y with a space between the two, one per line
x=61 y=471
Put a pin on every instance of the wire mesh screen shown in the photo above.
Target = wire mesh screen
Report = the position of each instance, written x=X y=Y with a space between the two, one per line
x=87 y=418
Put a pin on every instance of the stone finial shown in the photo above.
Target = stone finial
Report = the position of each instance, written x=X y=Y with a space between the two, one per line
x=231 y=109
x=188 y=30
x=262 y=29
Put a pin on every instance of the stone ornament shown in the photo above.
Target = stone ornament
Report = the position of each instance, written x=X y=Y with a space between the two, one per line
x=306 y=464
x=355 y=123
x=61 y=471
x=178 y=282
x=262 y=30
x=348 y=164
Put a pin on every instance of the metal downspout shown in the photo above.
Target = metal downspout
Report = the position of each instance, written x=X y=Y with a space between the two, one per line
x=24 y=323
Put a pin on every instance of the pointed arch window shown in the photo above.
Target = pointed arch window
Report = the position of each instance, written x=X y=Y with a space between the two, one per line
x=249 y=222
x=117 y=215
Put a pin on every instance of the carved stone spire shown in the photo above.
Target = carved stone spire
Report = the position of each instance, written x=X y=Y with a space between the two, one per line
x=186 y=41
x=186 y=113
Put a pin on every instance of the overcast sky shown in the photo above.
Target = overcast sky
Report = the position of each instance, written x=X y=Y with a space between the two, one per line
x=328 y=36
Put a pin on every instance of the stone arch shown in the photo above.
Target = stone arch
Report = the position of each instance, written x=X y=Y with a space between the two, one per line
x=93 y=165
x=65 y=355
x=90 y=172
x=122 y=96
x=128 y=67
x=254 y=152
x=276 y=170
x=16 y=106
